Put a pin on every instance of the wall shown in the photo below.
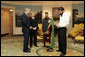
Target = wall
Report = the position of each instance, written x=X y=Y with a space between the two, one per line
x=68 y=9
x=46 y=7
x=80 y=8
x=20 y=9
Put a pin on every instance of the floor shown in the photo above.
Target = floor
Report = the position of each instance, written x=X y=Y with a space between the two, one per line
x=13 y=46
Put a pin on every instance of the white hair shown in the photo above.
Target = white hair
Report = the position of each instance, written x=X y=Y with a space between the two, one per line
x=26 y=9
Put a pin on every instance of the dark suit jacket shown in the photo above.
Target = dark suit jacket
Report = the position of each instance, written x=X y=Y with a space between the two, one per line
x=45 y=24
x=25 y=23
x=34 y=23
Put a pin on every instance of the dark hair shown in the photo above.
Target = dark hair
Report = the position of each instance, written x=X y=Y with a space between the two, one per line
x=61 y=8
x=46 y=12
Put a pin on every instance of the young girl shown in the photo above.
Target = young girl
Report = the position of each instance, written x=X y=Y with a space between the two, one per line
x=33 y=30
x=50 y=36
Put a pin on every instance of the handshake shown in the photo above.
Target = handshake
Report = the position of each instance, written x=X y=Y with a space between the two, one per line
x=34 y=28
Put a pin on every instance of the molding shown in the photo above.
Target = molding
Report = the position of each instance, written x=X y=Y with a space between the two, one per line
x=18 y=35
x=22 y=3
x=41 y=3
x=5 y=6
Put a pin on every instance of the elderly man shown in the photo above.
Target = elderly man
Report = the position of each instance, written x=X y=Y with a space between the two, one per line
x=25 y=29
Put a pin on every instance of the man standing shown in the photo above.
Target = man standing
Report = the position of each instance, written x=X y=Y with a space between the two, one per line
x=64 y=21
x=45 y=26
x=25 y=29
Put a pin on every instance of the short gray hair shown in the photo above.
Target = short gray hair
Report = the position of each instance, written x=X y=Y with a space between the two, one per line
x=27 y=9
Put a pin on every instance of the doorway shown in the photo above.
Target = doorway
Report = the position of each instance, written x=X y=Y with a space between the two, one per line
x=6 y=21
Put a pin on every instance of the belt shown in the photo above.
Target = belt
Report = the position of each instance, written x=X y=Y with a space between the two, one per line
x=62 y=28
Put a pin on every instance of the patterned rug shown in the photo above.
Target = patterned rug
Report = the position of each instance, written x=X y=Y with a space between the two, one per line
x=70 y=52
x=14 y=47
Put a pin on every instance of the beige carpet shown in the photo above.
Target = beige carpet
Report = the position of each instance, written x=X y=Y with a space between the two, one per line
x=70 y=52
x=13 y=46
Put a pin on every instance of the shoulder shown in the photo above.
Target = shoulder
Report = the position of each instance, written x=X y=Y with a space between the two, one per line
x=66 y=14
x=23 y=14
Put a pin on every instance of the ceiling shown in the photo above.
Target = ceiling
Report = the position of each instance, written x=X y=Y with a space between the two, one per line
x=41 y=2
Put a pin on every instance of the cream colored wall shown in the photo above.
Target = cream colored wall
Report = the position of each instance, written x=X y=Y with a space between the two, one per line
x=68 y=9
x=16 y=30
x=48 y=8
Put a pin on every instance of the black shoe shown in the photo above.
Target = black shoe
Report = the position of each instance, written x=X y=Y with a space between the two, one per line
x=36 y=46
x=44 y=46
x=30 y=46
x=62 y=54
x=58 y=51
x=27 y=51
x=49 y=50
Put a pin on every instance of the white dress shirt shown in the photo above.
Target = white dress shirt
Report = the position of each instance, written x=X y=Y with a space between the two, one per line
x=64 y=20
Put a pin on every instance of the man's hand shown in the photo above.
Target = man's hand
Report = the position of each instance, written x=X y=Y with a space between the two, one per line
x=58 y=26
x=30 y=27
x=35 y=28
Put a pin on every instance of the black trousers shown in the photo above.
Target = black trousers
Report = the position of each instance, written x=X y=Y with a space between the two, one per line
x=26 y=40
x=62 y=40
x=44 y=38
x=33 y=36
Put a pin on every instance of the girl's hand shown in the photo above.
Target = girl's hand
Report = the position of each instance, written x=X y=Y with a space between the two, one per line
x=30 y=27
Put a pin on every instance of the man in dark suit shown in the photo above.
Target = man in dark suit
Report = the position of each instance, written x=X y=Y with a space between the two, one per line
x=25 y=29
x=45 y=26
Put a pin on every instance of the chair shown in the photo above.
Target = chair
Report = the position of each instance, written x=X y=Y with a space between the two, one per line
x=77 y=33
x=40 y=33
